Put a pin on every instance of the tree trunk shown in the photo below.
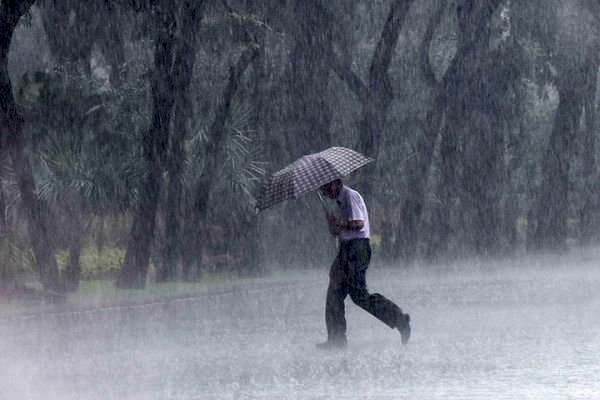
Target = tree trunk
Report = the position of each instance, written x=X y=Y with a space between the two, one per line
x=184 y=64
x=214 y=154
x=5 y=278
x=251 y=235
x=589 y=212
x=379 y=93
x=552 y=206
x=481 y=183
x=11 y=126
x=309 y=113
x=513 y=158
x=376 y=96
x=470 y=151
x=73 y=272
x=77 y=233
x=417 y=169
x=190 y=239
x=3 y=206
x=137 y=257
x=442 y=218
x=249 y=245
x=100 y=232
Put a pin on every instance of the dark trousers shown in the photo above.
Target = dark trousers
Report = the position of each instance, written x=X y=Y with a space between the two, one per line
x=347 y=277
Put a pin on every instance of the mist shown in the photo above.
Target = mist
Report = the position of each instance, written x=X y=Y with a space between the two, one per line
x=524 y=328
x=138 y=139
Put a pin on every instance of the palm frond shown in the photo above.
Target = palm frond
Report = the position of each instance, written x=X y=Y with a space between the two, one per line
x=240 y=170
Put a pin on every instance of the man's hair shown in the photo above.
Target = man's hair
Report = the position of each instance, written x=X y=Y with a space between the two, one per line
x=337 y=181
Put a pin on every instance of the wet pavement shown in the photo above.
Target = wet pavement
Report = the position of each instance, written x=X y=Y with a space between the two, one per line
x=525 y=329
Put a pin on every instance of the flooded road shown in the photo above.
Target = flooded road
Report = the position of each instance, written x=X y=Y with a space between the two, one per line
x=525 y=329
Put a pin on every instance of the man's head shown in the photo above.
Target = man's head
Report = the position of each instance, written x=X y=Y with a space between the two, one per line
x=332 y=189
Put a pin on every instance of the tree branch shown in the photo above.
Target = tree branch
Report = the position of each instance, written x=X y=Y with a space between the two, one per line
x=466 y=45
x=216 y=130
x=346 y=74
x=388 y=40
x=432 y=25
x=382 y=56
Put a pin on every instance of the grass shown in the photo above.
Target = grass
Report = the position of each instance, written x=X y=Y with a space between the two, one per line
x=102 y=293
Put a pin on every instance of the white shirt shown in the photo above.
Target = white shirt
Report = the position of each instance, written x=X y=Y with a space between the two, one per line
x=353 y=208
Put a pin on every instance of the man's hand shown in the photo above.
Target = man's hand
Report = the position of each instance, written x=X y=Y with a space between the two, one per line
x=334 y=224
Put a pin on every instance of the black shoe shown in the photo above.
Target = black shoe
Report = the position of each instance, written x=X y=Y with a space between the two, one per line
x=338 y=344
x=403 y=326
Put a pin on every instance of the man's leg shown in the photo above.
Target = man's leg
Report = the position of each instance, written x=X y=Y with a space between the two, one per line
x=377 y=305
x=337 y=291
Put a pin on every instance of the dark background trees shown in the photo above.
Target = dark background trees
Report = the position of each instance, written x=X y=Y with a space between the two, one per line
x=149 y=126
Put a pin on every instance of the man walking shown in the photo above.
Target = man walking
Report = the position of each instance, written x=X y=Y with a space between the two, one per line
x=347 y=273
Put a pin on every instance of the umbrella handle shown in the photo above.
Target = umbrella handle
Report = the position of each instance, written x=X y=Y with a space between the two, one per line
x=322 y=202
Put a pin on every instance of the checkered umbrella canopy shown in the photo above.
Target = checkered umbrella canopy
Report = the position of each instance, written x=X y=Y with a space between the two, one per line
x=308 y=173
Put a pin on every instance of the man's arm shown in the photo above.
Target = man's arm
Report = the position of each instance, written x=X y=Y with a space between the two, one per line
x=337 y=225
x=356 y=225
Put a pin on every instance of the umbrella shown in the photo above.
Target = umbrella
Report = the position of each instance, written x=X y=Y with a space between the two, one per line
x=308 y=173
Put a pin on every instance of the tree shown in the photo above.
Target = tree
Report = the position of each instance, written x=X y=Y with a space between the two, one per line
x=213 y=154
x=137 y=257
x=83 y=151
x=78 y=31
x=471 y=142
x=185 y=55
x=576 y=63
x=11 y=125
x=309 y=114
x=377 y=94
x=589 y=215
x=418 y=168
x=589 y=211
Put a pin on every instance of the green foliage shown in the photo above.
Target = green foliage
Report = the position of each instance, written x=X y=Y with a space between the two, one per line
x=522 y=227
x=16 y=258
x=86 y=134
x=84 y=119
x=241 y=169
x=250 y=19
x=95 y=265
x=62 y=261
x=376 y=242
